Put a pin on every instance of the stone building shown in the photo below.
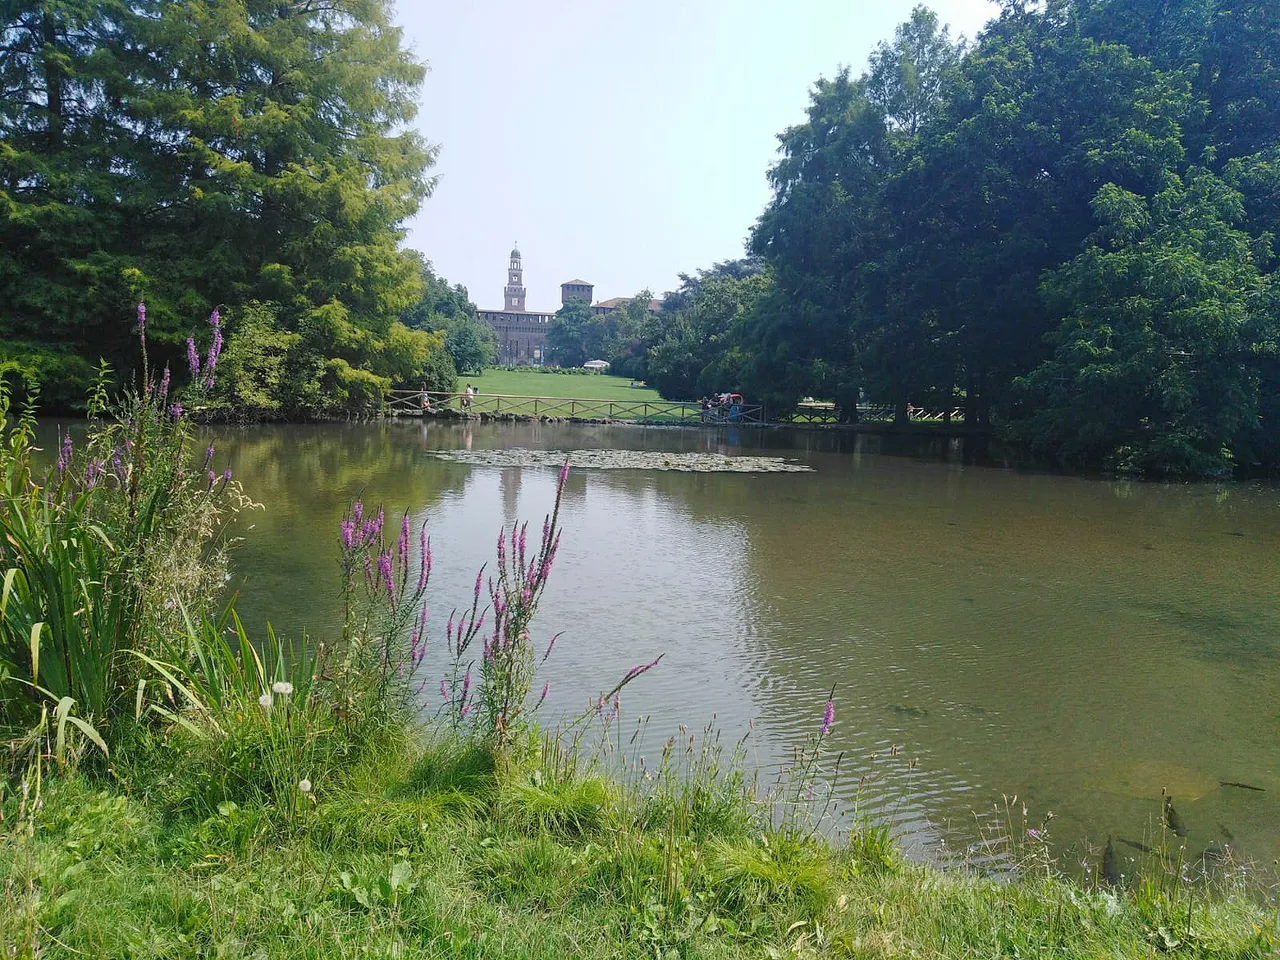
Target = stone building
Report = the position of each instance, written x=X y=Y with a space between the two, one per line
x=522 y=334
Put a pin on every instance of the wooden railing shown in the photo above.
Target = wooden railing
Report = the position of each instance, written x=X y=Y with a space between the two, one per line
x=651 y=411
x=627 y=411
x=816 y=413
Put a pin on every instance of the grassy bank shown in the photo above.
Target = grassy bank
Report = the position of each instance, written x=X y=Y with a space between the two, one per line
x=432 y=850
x=536 y=383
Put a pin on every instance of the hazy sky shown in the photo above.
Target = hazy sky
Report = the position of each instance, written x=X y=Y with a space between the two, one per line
x=619 y=142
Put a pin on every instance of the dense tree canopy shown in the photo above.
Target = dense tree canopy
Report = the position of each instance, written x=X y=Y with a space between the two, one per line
x=203 y=153
x=622 y=336
x=1064 y=227
x=470 y=343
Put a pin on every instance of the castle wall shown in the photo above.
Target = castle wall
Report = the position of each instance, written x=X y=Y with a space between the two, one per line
x=522 y=336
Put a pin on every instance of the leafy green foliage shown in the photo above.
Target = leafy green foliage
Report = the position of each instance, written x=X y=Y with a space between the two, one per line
x=622 y=336
x=1162 y=311
x=331 y=368
x=934 y=234
x=471 y=344
x=187 y=153
x=699 y=350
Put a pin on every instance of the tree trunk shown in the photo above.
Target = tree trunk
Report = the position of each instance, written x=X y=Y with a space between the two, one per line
x=53 y=80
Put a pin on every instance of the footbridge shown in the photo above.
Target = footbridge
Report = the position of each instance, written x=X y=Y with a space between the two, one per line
x=872 y=418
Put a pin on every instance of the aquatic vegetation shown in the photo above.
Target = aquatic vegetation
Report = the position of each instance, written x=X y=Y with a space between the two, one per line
x=609 y=459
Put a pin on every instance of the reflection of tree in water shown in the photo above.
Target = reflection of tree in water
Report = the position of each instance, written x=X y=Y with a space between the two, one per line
x=1016 y=632
x=306 y=476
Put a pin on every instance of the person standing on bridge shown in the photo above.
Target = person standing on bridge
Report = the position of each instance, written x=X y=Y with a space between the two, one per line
x=466 y=397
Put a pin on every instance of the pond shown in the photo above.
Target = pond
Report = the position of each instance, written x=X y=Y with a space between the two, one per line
x=1080 y=643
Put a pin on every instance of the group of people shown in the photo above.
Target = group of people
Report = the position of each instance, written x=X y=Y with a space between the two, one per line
x=720 y=406
x=464 y=400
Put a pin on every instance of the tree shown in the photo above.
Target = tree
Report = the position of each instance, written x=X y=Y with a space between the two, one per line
x=626 y=335
x=191 y=154
x=439 y=299
x=574 y=335
x=471 y=343
x=700 y=349
x=1162 y=313
x=1037 y=120
x=907 y=79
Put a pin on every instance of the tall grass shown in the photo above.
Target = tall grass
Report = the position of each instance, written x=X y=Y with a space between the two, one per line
x=97 y=554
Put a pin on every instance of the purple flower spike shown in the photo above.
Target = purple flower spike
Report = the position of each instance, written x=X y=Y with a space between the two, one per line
x=546 y=688
x=564 y=474
x=215 y=349
x=175 y=411
x=357 y=511
x=226 y=475
x=348 y=533
x=550 y=646
x=402 y=548
x=466 y=685
x=215 y=318
x=193 y=357
x=142 y=319
x=92 y=473
x=64 y=458
x=444 y=690
x=213 y=477
x=384 y=571
x=828 y=718
x=424 y=564
x=164 y=383
x=642 y=668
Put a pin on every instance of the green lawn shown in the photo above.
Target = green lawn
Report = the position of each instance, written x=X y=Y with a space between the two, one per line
x=532 y=383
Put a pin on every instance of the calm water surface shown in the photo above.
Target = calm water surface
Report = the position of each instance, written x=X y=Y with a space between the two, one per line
x=1081 y=643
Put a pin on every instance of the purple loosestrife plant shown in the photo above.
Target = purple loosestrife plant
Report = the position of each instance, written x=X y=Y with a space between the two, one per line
x=508 y=664
x=384 y=610
x=64 y=456
x=193 y=358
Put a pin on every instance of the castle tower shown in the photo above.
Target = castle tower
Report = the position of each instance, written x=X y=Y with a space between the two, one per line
x=576 y=290
x=514 y=291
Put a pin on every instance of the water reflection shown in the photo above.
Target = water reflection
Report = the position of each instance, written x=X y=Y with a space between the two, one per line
x=1080 y=642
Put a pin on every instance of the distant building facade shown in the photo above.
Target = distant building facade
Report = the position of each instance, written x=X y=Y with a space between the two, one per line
x=614 y=304
x=522 y=334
